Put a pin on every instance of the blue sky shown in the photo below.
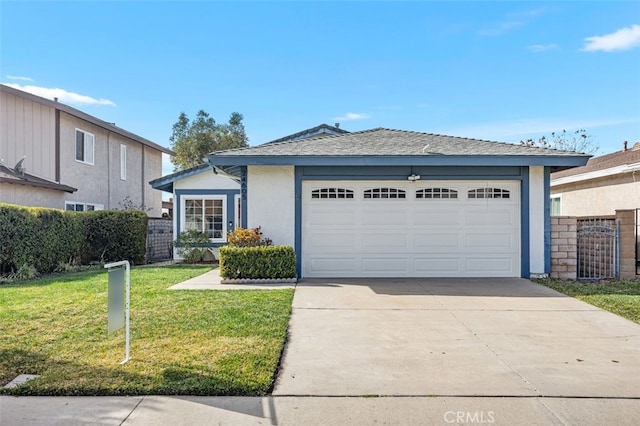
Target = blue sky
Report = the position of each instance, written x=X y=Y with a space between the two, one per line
x=502 y=71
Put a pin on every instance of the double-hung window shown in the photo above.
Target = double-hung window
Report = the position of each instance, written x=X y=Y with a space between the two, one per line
x=84 y=146
x=205 y=214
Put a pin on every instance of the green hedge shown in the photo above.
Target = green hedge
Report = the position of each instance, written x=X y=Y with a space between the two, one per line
x=270 y=262
x=46 y=238
x=113 y=235
x=38 y=237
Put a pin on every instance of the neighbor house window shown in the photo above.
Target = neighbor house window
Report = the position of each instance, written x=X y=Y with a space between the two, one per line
x=489 y=193
x=556 y=206
x=205 y=215
x=123 y=162
x=332 y=193
x=436 y=193
x=384 y=193
x=82 y=207
x=84 y=146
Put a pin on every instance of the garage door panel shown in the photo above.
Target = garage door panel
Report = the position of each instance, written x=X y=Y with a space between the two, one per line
x=503 y=241
x=412 y=237
x=493 y=267
x=385 y=241
x=384 y=266
x=385 y=216
x=424 y=216
x=334 y=240
x=342 y=266
x=429 y=242
x=490 y=217
x=435 y=266
x=332 y=217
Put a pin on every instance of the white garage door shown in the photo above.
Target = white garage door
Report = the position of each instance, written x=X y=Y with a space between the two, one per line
x=411 y=229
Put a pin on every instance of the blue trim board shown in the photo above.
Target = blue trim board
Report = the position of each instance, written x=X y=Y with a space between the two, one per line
x=298 y=221
x=229 y=193
x=547 y=220
x=448 y=173
x=243 y=196
x=525 y=250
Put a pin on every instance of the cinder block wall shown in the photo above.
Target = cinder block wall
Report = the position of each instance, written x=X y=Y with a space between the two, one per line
x=627 y=220
x=564 y=249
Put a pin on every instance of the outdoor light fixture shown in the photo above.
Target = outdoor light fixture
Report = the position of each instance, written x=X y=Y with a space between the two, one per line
x=413 y=177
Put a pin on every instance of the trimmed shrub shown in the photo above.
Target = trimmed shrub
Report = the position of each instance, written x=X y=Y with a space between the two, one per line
x=241 y=237
x=38 y=237
x=271 y=262
x=191 y=245
x=114 y=235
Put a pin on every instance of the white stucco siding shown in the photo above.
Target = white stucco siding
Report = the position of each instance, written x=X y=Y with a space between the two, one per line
x=536 y=220
x=271 y=202
x=205 y=180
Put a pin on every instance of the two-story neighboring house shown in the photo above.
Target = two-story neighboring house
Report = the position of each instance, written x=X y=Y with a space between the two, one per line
x=72 y=160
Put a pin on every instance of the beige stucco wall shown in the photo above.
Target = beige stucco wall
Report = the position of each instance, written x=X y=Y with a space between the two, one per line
x=599 y=196
x=100 y=183
x=27 y=128
x=31 y=196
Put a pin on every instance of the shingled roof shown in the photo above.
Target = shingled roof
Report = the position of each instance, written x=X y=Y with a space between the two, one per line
x=388 y=142
x=603 y=162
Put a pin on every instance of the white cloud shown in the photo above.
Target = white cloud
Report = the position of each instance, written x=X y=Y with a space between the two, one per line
x=63 y=96
x=19 y=77
x=623 y=39
x=352 y=116
x=538 y=48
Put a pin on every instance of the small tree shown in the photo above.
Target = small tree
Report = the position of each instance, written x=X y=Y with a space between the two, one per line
x=577 y=141
x=193 y=140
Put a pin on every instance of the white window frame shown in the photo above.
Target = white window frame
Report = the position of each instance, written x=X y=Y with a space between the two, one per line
x=237 y=202
x=85 y=146
x=123 y=162
x=555 y=197
x=183 y=209
x=86 y=207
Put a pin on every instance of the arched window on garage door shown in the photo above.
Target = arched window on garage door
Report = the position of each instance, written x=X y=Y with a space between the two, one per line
x=385 y=193
x=430 y=193
x=324 y=193
x=489 y=193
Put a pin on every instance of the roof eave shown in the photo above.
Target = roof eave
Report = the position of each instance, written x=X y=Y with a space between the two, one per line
x=559 y=162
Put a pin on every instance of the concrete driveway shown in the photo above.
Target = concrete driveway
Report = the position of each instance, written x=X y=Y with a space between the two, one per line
x=454 y=337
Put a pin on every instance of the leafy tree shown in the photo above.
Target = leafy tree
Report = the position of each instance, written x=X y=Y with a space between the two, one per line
x=193 y=140
x=578 y=141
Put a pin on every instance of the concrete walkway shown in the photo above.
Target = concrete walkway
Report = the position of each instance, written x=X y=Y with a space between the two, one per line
x=211 y=281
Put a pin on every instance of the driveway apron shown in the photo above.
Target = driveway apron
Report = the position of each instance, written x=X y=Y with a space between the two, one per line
x=454 y=337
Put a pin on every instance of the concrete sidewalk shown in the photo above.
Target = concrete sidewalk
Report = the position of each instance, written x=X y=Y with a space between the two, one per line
x=179 y=410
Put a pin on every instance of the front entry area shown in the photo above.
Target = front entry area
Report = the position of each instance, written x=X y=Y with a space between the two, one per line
x=424 y=228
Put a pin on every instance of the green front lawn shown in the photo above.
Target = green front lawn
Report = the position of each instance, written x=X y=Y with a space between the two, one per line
x=182 y=342
x=621 y=298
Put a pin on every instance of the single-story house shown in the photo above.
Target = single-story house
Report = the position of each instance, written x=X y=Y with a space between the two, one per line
x=210 y=201
x=392 y=203
x=605 y=184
